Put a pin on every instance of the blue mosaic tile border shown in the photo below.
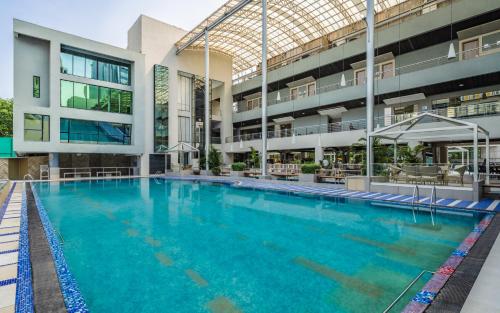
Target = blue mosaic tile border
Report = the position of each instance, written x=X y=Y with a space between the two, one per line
x=24 y=290
x=73 y=298
x=428 y=293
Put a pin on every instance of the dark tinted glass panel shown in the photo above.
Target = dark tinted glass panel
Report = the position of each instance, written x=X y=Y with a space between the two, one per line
x=78 y=65
x=115 y=100
x=79 y=96
x=36 y=87
x=92 y=93
x=161 y=92
x=81 y=131
x=103 y=72
x=66 y=93
x=126 y=102
x=91 y=68
x=124 y=75
x=104 y=99
x=114 y=71
x=66 y=63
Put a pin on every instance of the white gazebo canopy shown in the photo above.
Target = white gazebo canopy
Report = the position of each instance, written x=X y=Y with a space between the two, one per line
x=431 y=127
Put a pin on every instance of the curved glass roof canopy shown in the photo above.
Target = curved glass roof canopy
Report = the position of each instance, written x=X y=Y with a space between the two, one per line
x=292 y=24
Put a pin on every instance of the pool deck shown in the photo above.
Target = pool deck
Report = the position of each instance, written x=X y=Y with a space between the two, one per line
x=16 y=294
x=10 y=225
x=333 y=190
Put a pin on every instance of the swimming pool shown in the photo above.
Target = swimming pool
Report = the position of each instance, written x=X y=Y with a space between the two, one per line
x=142 y=245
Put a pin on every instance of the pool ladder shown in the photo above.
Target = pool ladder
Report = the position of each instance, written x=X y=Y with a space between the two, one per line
x=416 y=199
x=401 y=295
x=156 y=178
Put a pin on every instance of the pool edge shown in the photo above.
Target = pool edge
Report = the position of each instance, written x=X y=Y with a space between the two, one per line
x=73 y=298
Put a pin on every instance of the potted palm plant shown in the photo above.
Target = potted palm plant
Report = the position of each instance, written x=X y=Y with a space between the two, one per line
x=237 y=169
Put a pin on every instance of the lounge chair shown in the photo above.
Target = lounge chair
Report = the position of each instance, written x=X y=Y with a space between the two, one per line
x=458 y=177
x=412 y=173
x=394 y=172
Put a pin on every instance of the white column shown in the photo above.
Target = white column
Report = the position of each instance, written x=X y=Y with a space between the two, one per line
x=207 y=101
x=487 y=159
x=264 y=89
x=395 y=152
x=370 y=59
x=476 y=169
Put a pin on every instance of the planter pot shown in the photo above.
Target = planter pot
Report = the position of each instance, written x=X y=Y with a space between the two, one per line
x=308 y=178
x=237 y=174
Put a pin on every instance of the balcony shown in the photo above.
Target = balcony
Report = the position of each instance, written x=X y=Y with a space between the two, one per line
x=477 y=110
x=419 y=74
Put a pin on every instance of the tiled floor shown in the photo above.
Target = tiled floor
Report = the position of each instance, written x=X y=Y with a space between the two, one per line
x=9 y=247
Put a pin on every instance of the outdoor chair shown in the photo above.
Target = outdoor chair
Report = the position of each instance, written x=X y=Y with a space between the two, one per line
x=412 y=173
x=429 y=173
x=394 y=172
x=458 y=177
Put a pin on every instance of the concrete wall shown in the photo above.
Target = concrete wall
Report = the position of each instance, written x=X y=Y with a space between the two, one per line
x=157 y=40
x=42 y=56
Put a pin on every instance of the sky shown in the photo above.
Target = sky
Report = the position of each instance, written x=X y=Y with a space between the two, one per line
x=102 y=20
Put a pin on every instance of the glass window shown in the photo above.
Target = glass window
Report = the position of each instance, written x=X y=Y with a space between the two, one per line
x=126 y=102
x=66 y=93
x=79 y=96
x=360 y=77
x=103 y=72
x=36 y=127
x=293 y=93
x=184 y=129
x=124 y=75
x=82 y=131
x=491 y=42
x=104 y=99
x=90 y=68
x=470 y=49
x=115 y=100
x=387 y=70
x=114 y=73
x=185 y=93
x=36 y=86
x=78 y=66
x=66 y=63
x=161 y=93
x=92 y=93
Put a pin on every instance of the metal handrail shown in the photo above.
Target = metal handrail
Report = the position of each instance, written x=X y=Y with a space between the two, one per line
x=416 y=194
x=413 y=282
x=432 y=201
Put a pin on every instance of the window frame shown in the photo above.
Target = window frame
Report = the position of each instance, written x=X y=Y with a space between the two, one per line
x=296 y=90
x=479 y=38
x=44 y=118
x=36 y=80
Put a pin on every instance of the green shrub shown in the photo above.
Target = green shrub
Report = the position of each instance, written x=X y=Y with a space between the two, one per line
x=214 y=160
x=310 y=168
x=238 y=166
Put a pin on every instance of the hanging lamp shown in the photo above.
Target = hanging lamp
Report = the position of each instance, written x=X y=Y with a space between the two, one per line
x=451 y=51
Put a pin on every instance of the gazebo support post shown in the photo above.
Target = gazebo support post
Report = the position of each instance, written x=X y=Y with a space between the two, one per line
x=476 y=169
x=487 y=160
x=395 y=152
x=370 y=60
x=207 y=101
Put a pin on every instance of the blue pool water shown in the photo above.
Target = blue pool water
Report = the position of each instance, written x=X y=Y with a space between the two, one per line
x=175 y=246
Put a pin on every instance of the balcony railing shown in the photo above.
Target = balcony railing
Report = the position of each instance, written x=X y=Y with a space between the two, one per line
x=405 y=69
x=464 y=111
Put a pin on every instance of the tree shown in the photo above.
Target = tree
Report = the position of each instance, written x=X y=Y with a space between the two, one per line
x=6 y=117
x=412 y=156
x=214 y=160
x=254 y=158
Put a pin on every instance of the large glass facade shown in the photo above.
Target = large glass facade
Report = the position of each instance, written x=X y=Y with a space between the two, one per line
x=90 y=97
x=95 y=132
x=161 y=93
x=36 y=127
x=79 y=64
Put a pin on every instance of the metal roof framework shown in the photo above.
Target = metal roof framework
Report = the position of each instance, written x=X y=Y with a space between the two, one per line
x=235 y=28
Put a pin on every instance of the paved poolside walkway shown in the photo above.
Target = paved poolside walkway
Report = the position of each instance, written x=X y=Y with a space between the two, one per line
x=10 y=222
x=339 y=191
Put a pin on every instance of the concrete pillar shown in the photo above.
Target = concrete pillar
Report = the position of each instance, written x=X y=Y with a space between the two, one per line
x=144 y=164
x=318 y=154
x=54 y=165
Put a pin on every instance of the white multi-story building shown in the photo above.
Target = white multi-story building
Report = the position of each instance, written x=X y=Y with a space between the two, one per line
x=88 y=104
